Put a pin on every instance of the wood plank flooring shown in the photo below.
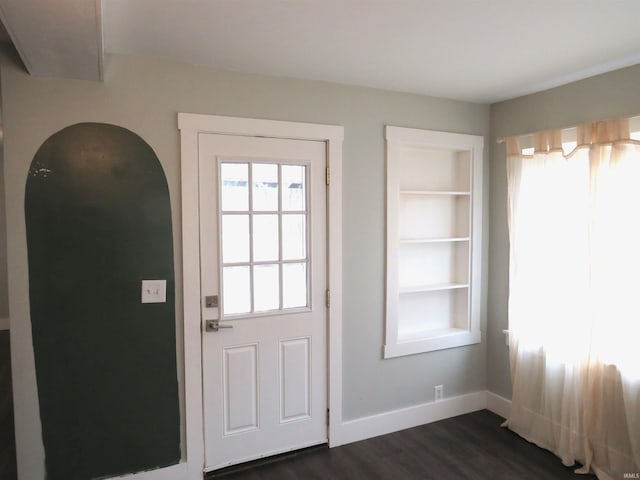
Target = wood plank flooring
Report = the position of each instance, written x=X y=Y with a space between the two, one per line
x=468 y=447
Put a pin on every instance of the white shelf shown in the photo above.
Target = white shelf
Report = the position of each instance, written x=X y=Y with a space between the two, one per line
x=434 y=217
x=417 y=241
x=432 y=340
x=431 y=288
x=412 y=336
x=433 y=192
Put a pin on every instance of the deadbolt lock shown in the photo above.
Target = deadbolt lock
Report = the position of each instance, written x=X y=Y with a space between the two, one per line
x=211 y=301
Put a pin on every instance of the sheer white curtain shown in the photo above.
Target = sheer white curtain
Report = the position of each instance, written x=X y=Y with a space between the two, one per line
x=574 y=297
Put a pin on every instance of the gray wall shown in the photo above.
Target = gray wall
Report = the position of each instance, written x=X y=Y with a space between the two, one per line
x=615 y=94
x=7 y=442
x=4 y=292
x=144 y=95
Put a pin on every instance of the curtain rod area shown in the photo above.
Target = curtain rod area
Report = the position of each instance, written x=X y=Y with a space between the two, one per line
x=569 y=133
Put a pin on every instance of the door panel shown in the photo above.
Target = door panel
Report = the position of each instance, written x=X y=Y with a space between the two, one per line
x=294 y=379
x=240 y=383
x=263 y=253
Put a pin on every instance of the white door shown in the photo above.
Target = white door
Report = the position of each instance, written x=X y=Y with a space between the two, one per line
x=263 y=255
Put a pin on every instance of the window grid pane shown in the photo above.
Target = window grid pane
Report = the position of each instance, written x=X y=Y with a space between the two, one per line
x=237 y=296
x=235 y=239
x=265 y=181
x=294 y=237
x=293 y=188
x=267 y=287
x=276 y=272
x=294 y=285
x=234 y=194
x=266 y=243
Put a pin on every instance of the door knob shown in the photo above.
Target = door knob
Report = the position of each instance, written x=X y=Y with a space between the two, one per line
x=214 y=325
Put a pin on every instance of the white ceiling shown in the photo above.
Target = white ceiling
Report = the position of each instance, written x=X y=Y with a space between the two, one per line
x=476 y=50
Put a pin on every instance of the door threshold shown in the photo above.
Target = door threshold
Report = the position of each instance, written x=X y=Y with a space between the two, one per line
x=222 y=472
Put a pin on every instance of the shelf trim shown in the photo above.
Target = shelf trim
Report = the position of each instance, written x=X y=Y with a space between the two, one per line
x=431 y=288
x=440 y=340
x=408 y=241
x=420 y=335
x=435 y=192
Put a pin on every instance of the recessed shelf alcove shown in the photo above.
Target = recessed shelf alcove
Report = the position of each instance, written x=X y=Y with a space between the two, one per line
x=434 y=203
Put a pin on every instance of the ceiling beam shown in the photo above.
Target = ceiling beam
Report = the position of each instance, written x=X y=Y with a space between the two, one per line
x=57 y=39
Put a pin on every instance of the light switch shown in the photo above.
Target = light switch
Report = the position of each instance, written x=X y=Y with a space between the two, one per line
x=154 y=291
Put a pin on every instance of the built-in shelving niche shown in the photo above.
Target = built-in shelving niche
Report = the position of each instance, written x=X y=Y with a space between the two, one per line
x=434 y=216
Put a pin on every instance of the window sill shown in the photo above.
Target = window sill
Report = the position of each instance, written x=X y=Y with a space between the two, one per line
x=422 y=342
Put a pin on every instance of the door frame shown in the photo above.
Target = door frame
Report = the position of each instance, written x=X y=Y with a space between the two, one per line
x=190 y=126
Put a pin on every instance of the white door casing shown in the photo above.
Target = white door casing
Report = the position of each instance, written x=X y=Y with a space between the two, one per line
x=263 y=251
x=191 y=126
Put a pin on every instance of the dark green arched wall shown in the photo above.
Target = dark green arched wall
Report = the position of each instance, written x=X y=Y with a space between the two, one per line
x=98 y=222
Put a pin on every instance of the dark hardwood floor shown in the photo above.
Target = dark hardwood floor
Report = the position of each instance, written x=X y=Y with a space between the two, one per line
x=468 y=447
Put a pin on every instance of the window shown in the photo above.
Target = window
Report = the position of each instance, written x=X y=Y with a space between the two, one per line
x=264 y=232
x=573 y=310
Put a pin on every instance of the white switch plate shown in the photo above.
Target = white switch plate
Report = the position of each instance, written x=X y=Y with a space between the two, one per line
x=154 y=291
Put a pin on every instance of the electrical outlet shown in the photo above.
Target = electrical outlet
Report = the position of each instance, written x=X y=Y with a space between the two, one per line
x=438 y=393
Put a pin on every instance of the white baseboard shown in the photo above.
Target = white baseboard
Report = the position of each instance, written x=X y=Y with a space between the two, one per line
x=173 y=472
x=395 y=420
x=498 y=405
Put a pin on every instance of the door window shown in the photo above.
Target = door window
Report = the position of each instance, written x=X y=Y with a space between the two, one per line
x=264 y=231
